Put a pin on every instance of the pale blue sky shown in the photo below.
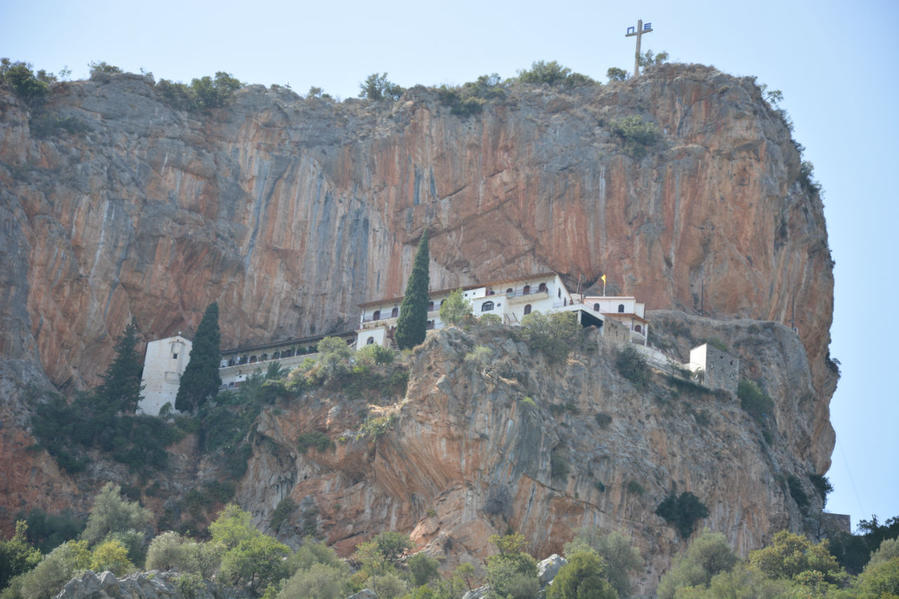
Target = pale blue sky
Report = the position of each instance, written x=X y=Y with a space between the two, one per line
x=836 y=63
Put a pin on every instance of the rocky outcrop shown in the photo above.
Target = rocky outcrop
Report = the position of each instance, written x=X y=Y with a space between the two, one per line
x=143 y=585
x=477 y=448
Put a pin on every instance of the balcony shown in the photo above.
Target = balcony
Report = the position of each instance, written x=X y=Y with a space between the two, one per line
x=519 y=297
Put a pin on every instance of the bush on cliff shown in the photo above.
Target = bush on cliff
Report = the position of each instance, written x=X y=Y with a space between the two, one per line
x=471 y=97
x=682 y=512
x=202 y=94
x=585 y=576
x=635 y=134
x=552 y=335
x=378 y=87
x=553 y=74
x=632 y=365
x=29 y=86
x=17 y=556
x=622 y=558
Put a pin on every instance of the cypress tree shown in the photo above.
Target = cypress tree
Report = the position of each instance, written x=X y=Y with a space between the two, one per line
x=120 y=391
x=201 y=379
x=413 y=320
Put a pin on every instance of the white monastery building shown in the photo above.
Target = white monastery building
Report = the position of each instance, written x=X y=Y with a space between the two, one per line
x=511 y=300
x=164 y=363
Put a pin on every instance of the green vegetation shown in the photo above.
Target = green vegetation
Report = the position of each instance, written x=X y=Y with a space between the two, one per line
x=470 y=98
x=797 y=492
x=113 y=556
x=603 y=420
x=584 y=576
x=552 y=74
x=378 y=87
x=632 y=366
x=46 y=531
x=635 y=488
x=120 y=391
x=707 y=555
x=682 y=512
x=616 y=551
x=757 y=404
x=552 y=335
x=821 y=484
x=48 y=577
x=316 y=440
x=29 y=86
x=616 y=74
x=649 y=59
x=412 y=322
x=203 y=94
x=17 y=555
x=455 y=308
x=636 y=135
x=200 y=380
x=512 y=573
x=376 y=426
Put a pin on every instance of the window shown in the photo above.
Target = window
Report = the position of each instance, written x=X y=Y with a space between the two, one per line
x=565 y=302
x=231 y=362
x=542 y=287
x=376 y=315
x=510 y=291
x=621 y=307
x=252 y=359
x=175 y=356
x=430 y=306
x=559 y=293
x=276 y=355
x=490 y=291
x=430 y=325
x=527 y=309
x=637 y=328
x=395 y=312
x=487 y=307
x=596 y=307
x=263 y=357
x=526 y=290
x=371 y=340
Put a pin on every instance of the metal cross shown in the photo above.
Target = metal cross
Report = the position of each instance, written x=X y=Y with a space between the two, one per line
x=640 y=30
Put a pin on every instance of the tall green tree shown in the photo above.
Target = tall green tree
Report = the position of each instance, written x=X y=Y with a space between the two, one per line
x=201 y=379
x=120 y=391
x=413 y=321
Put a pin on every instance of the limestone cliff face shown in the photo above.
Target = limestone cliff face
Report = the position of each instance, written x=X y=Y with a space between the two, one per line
x=468 y=455
x=290 y=211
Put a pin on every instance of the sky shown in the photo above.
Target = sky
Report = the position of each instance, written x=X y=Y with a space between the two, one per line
x=837 y=64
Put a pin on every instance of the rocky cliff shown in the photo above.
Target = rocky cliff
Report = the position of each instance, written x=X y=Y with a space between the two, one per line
x=483 y=443
x=290 y=211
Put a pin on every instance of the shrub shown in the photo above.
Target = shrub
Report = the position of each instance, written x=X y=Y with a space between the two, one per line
x=635 y=134
x=316 y=440
x=552 y=74
x=17 y=556
x=376 y=426
x=423 y=568
x=285 y=508
x=490 y=320
x=635 y=488
x=480 y=355
x=470 y=98
x=47 y=531
x=551 y=335
x=615 y=549
x=603 y=419
x=616 y=74
x=558 y=466
x=256 y=562
x=512 y=573
x=318 y=581
x=682 y=512
x=112 y=556
x=707 y=555
x=48 y=577
x=378 y=87
x=632 y=366
x=111 y=515
x=454 y=308
x=756 y=403
x=585 y=575
x=529 y=402
x=375 y=354
x=202 y=94
x=789 y=555
x=797 y=492
x=821 y=484
x=32 y=88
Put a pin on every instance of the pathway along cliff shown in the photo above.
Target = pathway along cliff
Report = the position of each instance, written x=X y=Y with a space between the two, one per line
x=291 y=211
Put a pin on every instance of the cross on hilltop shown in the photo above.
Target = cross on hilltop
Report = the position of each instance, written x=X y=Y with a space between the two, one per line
x=638 y=32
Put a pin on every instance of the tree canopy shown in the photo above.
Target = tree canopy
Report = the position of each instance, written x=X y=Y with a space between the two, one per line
x=200 y=380
x=413 y=320
x=120 y=391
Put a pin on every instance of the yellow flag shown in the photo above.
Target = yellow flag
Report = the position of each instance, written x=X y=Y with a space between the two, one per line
x=603 y=278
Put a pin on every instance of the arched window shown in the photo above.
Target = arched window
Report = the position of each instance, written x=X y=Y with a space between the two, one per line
x=370 y=341
x=621 y=307
x=276 y=355
x=637 y=328
x=542 y=287
x=526 y=290
x=263 y=357
x=376 y=315
x=430 y=306
x=252 y=359
x=490 y=291
x=510 y=291
x=231 y=362
x=395 y=312
x=565 y=302
x=487 y=307
x=527 y=308
x=596 y=307
x=559 y=292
